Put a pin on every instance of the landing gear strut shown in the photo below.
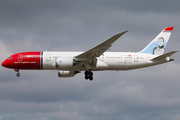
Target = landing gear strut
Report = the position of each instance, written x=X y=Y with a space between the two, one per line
x=88 y=75
x=17 y=74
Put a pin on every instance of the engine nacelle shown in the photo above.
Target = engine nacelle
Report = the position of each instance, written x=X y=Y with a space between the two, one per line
x=62 y=73
x=64 y=62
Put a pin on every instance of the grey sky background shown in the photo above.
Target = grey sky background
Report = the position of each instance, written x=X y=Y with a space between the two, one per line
x=75 y=25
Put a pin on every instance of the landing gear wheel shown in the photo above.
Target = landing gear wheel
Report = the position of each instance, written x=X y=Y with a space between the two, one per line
x=91 y=78
x=88 y=75
x=17 y=74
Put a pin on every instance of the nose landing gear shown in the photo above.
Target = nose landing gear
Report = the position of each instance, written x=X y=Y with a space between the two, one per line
x=17 y=74
x=88 y=75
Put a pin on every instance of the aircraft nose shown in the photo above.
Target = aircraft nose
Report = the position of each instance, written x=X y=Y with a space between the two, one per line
x=7 y=64
x=3 y=64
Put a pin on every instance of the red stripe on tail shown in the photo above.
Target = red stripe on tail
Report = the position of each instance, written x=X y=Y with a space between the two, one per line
x=168 y=29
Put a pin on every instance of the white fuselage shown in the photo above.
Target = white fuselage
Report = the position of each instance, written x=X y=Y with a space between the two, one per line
x=107 y=61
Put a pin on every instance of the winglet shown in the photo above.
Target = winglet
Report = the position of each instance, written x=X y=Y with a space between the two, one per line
x=164 y=55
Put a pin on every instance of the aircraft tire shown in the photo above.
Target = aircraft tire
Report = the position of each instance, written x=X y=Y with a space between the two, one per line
x=17 y=74
x=91 y=73
x=86 y=73
x=86 y=77
x=90 y=78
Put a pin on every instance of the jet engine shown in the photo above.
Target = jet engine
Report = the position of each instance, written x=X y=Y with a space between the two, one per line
x=62 y=73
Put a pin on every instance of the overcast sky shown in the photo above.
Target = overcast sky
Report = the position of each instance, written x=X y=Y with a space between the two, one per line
x=78 y=25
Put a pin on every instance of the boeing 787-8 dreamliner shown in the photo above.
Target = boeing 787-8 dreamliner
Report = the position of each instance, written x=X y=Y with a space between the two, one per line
x=96 y=59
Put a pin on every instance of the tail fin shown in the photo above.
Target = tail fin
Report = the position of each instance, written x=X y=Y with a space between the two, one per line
x=158 y=45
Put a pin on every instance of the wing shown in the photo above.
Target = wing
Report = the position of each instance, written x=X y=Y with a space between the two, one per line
x=99 y=49
x=86 y=57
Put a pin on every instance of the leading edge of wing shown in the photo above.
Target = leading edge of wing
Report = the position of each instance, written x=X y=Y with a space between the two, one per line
x=99 y=49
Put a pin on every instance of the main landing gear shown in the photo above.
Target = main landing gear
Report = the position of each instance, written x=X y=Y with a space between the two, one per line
x=88 y=75
x=17 y=74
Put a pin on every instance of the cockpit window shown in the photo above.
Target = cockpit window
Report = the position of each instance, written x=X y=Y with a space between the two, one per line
x=9 y=57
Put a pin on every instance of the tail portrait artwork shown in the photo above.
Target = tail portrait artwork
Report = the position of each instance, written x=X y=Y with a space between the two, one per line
x=158 y=45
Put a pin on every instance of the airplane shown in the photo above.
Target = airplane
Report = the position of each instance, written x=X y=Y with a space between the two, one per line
x=69 y=64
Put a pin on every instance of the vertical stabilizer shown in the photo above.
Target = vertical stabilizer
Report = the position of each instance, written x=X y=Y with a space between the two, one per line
x=158 y=44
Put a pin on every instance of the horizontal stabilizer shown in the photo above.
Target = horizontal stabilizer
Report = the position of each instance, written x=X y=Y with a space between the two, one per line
x=164 y=55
